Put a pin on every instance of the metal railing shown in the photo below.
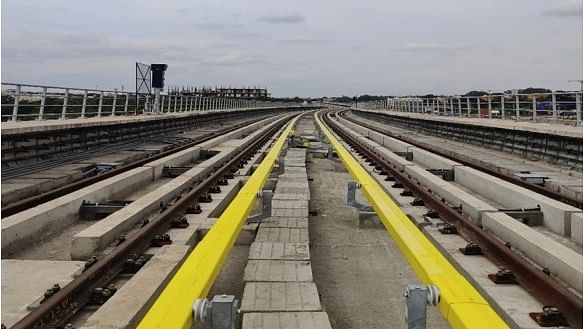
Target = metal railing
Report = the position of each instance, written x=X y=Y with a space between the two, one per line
x=25 y=102
x=554 y=107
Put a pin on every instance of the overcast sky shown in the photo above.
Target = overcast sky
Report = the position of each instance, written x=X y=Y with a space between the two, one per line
x=304 y=48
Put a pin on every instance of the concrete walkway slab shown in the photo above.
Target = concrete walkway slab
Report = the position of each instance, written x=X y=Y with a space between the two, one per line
x=290 y=320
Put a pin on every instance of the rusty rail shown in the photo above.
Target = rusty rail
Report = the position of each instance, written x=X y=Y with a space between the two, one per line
x=36 y=200
x=511 y=179
x=74 y=295
x=535 y=281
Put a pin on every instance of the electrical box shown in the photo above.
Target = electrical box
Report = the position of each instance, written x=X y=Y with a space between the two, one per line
x=158 y=75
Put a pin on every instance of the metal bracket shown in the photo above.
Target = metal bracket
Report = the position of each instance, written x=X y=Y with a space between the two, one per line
x=280 y=170
x=221 y=312
x=418 y=297
x=352 y=202
x=446 y=174
x=92 y=211
x=266 y=196
x=531 y=178
x=330 y=152
x=530 y=217
x=172 y=172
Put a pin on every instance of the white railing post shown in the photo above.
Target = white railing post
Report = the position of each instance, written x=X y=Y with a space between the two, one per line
x=99 y=114
x=84 y=104
x=181 y=104
x=468 y=107
x=534 y=107
x=578 y=108
x=147 y=108
x=451 y=106
x=16 y=103
x=517 y=98
x=503 y=107
x=65 y=99
x=554 y=105
x=114 y=104
x=126 y=104
x=169 y=103
x=459 y=105
x=490 y=106
x=137 y=101
x=175 y=107
x=479 y=107
x=43 y=101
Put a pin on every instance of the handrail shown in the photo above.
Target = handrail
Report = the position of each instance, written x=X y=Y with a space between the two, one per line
x=193 y=280
x=460 y=303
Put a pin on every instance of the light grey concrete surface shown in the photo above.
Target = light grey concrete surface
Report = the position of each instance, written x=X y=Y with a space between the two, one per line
x=128 y=305
x=562 y=261
x=24 y=282
x=102 y=233
x=286 y=320
x=45 y=218
x=557 y=215
x=577 y=228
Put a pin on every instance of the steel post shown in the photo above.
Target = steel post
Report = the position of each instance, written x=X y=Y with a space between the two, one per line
x=84 y=104
x=503 y=107
x=479 y=107
x=65 y=101
x=534 y=108
x=114 y=104
x=517 y=98
x=489 y=106
x=126 y=103
x=578 y=108
x=42 y=107
x=99 y=113
x=554 y=105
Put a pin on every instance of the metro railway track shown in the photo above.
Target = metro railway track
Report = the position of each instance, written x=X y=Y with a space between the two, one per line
x=35 y=200
x=511 y=179
x=56 y=310
x=532 y=279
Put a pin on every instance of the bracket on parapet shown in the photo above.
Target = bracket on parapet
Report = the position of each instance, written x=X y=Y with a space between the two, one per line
x=280 y=169
x=330 y=152
x=266 y=196
x=221 y=312
x=418 y=297
x=352 y=187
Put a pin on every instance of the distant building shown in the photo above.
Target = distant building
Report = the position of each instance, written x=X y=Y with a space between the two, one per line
x=227 y=92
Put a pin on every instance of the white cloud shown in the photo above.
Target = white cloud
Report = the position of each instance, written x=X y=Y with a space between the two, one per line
x=282 y=19
x=431 y=48
x=565 y=8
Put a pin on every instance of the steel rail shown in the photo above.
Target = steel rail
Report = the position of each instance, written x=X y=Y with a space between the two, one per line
x=173 y=308
x=546 y=289
x=36 y=200
x=73 y=296
x=511 y=179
